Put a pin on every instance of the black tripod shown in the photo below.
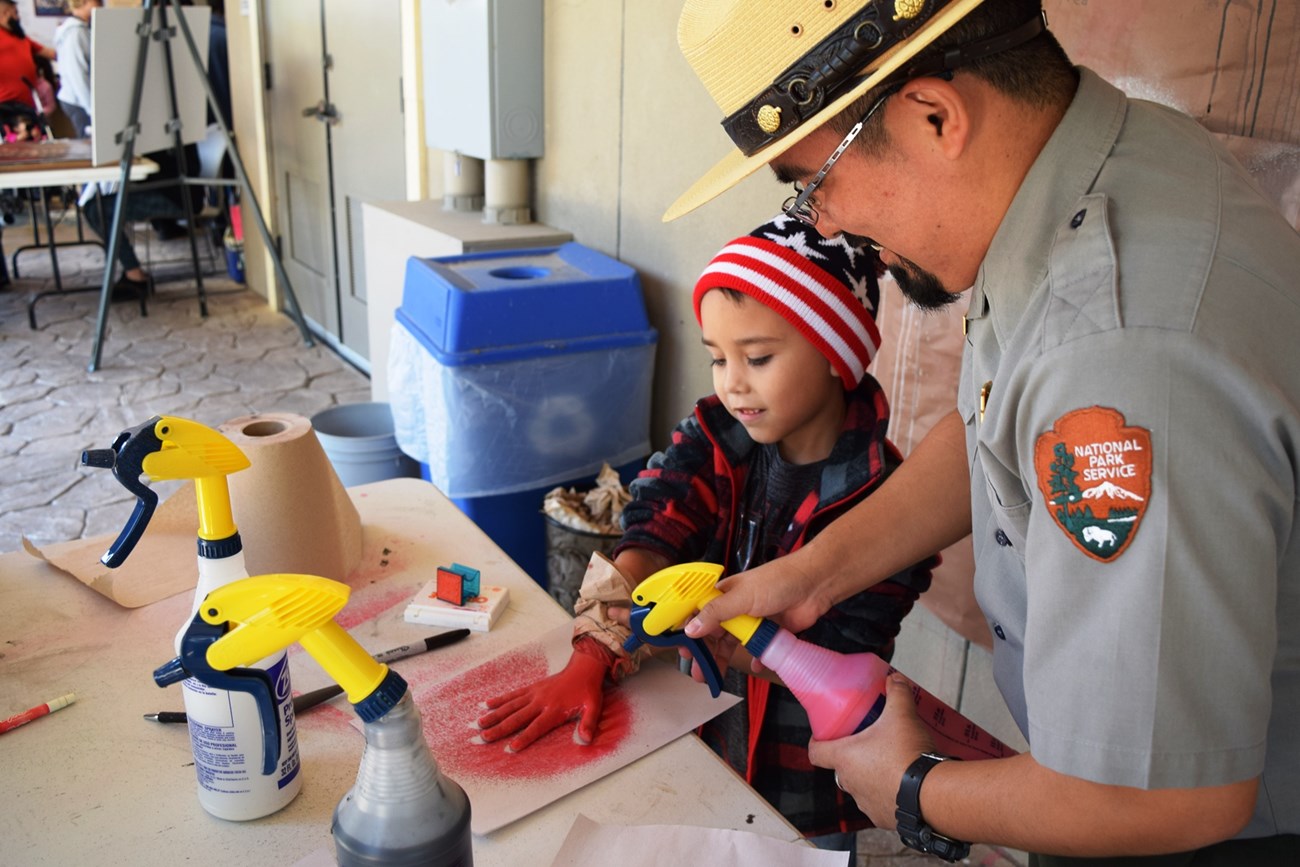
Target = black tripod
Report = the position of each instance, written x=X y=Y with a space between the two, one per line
x=158 y=28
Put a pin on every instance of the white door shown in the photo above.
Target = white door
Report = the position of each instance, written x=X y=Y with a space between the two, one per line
x=369 y=162
x=336 y=140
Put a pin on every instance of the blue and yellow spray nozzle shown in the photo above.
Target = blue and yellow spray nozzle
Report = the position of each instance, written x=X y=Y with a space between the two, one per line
x=252 y=618
x=670 y=597
x=167 y=448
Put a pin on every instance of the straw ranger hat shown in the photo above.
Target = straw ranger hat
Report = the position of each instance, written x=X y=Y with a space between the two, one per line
x=779 y=69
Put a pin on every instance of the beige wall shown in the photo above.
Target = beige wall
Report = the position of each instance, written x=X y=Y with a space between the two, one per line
x=628 y=128
x=244 y=54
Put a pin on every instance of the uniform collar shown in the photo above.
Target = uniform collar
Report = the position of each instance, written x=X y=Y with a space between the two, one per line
x=1065 y=170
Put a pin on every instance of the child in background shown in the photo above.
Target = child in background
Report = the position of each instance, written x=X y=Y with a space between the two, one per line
x=793 y=436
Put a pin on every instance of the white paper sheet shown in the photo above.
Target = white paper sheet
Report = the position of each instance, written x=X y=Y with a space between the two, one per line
x=590 y=844
x=648 y=710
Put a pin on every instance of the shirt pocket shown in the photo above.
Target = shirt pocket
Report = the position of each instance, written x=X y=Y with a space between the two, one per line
x=1008 y=495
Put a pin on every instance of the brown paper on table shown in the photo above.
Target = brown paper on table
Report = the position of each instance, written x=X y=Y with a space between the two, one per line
x=162 y=564
x=293 y=515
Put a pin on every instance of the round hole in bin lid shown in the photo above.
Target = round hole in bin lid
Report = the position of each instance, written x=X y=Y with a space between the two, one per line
x=520 y=272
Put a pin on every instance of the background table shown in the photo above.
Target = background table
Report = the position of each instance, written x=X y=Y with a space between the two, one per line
x=58 y=163
x=95 y=783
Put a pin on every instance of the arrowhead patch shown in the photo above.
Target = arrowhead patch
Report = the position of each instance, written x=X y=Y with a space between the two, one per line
x=1095 y=475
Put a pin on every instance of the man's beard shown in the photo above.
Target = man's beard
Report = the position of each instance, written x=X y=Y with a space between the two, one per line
x=921 y=287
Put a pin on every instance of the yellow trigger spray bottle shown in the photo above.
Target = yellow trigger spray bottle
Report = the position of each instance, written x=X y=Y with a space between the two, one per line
x=402 y=811
x=225 y=729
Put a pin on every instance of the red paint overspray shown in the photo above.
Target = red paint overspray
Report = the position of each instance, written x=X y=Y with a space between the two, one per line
x=449 y=711
x=362 y=610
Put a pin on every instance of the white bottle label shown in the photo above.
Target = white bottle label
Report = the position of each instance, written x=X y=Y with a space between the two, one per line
x=226 y=735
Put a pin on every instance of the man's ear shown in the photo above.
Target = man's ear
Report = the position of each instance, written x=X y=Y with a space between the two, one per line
x=942 y=109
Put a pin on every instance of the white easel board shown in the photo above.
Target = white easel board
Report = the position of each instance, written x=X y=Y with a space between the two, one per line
x=114 y=49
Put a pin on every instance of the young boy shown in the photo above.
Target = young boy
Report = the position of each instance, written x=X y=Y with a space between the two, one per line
x=793 y=436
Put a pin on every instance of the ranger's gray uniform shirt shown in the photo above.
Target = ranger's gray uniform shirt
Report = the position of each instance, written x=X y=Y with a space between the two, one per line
x=1135 y=333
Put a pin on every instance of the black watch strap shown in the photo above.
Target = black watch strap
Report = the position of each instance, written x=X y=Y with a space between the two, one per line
x=912 y=828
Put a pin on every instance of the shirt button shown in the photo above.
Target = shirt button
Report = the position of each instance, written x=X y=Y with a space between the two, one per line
x=1077 y=220
x=997 y=630
x=1001 y=538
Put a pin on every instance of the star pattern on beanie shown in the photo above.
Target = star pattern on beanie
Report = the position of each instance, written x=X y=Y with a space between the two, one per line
x=797 y=241
x=825 y=287
x=842 y=243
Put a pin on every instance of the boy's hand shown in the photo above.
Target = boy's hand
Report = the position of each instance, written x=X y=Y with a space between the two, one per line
x=576 y=691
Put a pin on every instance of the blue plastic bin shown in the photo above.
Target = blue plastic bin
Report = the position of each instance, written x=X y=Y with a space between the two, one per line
x=515 y=371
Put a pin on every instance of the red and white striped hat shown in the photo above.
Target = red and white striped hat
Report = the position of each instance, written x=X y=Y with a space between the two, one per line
x=825 y=287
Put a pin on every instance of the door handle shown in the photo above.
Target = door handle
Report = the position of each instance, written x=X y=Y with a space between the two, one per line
x=322 y=111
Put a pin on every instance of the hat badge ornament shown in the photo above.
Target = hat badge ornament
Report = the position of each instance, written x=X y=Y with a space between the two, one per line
x=769 y=118
x=907 y=9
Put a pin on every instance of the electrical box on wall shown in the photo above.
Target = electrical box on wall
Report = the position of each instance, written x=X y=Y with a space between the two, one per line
x=483 y=77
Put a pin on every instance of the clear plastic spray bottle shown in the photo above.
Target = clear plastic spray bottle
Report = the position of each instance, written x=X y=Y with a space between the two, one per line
x=842 y=693
x=403 y=811
x=225 y=732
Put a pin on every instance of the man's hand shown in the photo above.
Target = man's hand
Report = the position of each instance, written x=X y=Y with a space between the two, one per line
x=870 y=765
x=780 y=589
x=929 y=495
x=576 y=691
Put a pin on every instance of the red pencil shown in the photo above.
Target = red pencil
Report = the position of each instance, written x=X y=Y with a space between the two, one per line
x=37 y=712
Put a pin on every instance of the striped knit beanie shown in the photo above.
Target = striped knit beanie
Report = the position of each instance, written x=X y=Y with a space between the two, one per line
x=825 y=287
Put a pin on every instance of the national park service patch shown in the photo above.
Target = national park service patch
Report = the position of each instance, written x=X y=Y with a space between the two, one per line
x=1095 y=475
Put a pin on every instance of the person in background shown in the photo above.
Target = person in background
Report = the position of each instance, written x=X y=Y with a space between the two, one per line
x=18 y=76
x=72 y=44
x=219 y=63
x=169 y=228
x=793 y=435
x=1124 y=446
x=146 y=204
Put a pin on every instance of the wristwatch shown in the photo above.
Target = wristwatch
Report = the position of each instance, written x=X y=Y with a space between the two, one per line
x=912 y=828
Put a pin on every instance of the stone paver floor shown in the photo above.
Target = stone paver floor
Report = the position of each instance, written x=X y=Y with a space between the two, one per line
x=243 y=358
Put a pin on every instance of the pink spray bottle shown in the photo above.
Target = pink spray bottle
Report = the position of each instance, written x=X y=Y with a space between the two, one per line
x=842 y=693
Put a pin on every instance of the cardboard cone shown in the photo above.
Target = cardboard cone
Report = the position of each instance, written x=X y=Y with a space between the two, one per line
x=293 y=513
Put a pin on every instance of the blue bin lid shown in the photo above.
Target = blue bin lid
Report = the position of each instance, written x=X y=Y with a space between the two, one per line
x=507 y=304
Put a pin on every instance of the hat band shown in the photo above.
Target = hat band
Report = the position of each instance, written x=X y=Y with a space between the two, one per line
x=815 y=79
x=792 y=98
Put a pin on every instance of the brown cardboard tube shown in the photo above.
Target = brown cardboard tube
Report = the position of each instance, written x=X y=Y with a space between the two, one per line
x=293 y=513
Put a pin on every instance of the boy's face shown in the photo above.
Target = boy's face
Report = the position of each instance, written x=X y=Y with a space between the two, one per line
x=771 y=379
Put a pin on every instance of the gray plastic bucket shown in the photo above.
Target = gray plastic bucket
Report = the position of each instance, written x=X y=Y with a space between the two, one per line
x=358 y=439
x=567 y=554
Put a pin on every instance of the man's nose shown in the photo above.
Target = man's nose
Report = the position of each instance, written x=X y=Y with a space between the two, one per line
x=826 y=227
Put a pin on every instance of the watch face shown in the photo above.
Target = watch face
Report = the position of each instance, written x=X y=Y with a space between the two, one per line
x=912 y=827
x=943 y=847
